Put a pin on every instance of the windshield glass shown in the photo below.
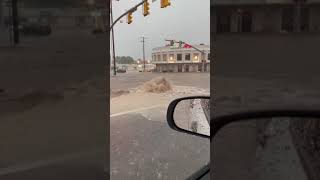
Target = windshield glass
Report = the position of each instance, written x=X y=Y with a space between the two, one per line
x=265 y=57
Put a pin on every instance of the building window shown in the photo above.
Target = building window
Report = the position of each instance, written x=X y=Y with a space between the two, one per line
x=187 y=57
x=245 y=24
x=154 y=58
x=287 y=19
x=196 y=57
x=171 y=57
x=159 y=58
x=223 y=22
x=164 y=57
x=208 y=56
x=179 y=57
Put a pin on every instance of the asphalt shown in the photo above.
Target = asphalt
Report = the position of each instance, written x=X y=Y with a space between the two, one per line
x=61 y=140
x=255 y=71
x=149 y=149
x=83 y=167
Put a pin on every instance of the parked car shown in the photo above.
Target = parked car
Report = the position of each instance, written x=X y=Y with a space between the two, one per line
x=121 y=70
x=41 y=29
x=98 y=31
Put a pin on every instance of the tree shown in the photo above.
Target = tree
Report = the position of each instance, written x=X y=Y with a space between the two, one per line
x=124 y=60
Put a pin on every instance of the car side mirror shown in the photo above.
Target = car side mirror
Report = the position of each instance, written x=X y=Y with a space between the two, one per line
x=190 y=115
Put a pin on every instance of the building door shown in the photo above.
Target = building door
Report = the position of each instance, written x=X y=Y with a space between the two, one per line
x=200 y=67
x=246 y=22
x=164 y=68
x=179 y=67
x=186 y=68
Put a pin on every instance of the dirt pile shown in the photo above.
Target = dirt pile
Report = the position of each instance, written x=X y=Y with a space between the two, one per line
x=157 y=85
x=117 y=93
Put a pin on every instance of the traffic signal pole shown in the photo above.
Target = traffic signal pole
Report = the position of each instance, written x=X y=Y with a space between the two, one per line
x=111 y=28
x=127 y=12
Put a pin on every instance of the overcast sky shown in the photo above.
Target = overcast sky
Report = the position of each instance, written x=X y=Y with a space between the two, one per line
x=186 y=20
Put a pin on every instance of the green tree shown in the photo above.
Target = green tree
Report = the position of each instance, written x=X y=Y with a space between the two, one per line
x=124 y=60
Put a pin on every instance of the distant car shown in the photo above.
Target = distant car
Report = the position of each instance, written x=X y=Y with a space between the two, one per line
x=121 y=70
x=148 y=68
x=41 y=29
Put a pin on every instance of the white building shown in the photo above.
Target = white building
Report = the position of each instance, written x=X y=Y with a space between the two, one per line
x=175 y=59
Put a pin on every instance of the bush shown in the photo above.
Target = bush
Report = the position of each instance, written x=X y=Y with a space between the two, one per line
x=97 y=31
x=36 y=29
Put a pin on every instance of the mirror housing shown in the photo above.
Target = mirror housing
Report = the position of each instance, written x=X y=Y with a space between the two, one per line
x=170 y=115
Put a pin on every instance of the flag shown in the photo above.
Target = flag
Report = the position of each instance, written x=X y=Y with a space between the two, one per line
x=187 y=46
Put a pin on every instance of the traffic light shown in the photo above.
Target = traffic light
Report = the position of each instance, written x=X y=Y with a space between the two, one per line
x=146 y=8
x=129 y=18
x=168 y=3
x=165 y=3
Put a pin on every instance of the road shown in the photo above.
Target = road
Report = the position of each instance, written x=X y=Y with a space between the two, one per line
x=52 y=107
x=258 y=71
x=51 y=141
x=142 y=144
x=124 y=81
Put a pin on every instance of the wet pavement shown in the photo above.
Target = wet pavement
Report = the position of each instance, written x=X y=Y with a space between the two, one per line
x=146 y=149
x=142 y=144
x=83 y=167
x=125 y=81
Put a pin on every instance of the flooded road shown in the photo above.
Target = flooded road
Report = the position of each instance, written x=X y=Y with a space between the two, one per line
x=142 y=144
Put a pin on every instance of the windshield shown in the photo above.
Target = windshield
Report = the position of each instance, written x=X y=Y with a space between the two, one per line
x=264 y=61
x=142 y=145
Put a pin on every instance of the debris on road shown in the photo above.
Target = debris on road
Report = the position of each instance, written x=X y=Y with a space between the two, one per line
x=157 y=85
x=118 y=93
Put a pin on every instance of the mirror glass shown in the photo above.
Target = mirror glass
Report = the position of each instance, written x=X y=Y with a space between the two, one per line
x=193 y=115
x=275 y=148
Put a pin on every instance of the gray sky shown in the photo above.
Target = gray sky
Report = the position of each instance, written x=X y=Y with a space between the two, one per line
x=186 y=20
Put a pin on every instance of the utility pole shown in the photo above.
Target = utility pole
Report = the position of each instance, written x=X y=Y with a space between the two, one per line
x=113 y=46
x=15 y=22
x=9 y=6
x=298 y=4
x=144 y=56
